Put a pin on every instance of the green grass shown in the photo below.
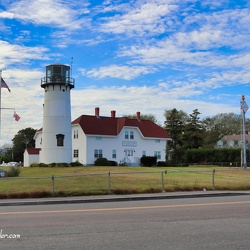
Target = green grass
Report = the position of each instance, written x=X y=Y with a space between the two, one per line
x=37 y=182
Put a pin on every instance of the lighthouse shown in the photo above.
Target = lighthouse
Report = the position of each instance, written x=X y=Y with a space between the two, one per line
x=56 y=134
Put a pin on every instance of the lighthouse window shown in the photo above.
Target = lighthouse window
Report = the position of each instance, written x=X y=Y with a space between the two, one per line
x=48 y=72
x=67 y=73
x=60 y=140
x=57 y=70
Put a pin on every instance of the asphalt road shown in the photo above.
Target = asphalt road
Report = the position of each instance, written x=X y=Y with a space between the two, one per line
x=187 y=223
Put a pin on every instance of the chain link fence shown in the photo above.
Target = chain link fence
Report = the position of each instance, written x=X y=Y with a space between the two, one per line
x=131 y=182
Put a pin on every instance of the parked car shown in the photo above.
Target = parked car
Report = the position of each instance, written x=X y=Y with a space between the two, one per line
x=12 y=164
x=2 y=173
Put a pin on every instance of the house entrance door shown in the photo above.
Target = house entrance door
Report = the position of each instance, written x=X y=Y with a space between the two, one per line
x=129 y=153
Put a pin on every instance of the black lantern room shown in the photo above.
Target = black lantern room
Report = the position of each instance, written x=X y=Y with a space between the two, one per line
x=57 y=74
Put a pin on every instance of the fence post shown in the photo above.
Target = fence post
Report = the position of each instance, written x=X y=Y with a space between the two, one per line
x=162 y=181
x=53 y=183
x=109 y=184
x=213 y=179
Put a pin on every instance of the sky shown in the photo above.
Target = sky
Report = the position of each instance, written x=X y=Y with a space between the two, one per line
x=128 y=55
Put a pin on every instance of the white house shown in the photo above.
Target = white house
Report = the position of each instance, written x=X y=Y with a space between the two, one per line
x=119 y=139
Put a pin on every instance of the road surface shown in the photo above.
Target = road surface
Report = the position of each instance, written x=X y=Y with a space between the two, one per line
x=200 y=223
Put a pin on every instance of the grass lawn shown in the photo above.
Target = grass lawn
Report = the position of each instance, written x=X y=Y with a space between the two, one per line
x=37 y=181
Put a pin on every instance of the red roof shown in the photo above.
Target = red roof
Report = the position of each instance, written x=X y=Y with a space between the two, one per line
x=33 y=151
x=101 y=125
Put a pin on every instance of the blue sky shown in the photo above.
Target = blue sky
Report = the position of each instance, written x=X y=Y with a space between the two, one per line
x=129 y=56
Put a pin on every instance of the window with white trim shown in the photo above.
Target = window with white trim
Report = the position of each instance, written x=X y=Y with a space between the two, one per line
x=157 y=154
x=132 y=135
x=114 y=154
x=75 y=134
x=75 y=153
x=129 y=135
x=144 y=153
x=98 y=153
x=129 y=152
x=126 y=135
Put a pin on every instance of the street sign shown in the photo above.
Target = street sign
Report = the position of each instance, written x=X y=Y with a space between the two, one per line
x=244 y=106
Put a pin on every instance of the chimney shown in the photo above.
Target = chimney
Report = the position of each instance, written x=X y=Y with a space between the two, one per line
x=97 y=111
x=113 y=113
x=138 y=115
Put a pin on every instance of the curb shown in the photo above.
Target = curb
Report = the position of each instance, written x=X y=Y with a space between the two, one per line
x=118 y=199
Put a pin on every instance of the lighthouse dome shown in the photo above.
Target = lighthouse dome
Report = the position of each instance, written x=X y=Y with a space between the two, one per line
x=57 y=74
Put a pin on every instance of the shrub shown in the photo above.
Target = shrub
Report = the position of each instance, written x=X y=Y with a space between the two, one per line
x=75 y=164
x=52 y=164
x=102 y=162
x=13 y=172
x=34 y=164
x=42 y=165
x=161 y=164
x=113 y=163
x=62 y=164
x=148 y=161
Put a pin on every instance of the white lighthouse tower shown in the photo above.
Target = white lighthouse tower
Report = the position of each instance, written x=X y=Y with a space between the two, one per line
x=56 y=134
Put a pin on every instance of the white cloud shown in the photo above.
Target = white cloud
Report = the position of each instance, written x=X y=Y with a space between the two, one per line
x=129 y=100
x=47 y=12
x=6 y=14
x=183 y=51
x=11 y=53
x=122 y=72
x=145 y=17
x=125 y=100
x=26 y=98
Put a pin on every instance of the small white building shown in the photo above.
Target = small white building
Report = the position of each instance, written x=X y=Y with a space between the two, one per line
x=119 y=139
x=30 y=155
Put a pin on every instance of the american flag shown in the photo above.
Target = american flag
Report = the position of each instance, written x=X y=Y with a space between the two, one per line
x=4 y=84
x=16 y=117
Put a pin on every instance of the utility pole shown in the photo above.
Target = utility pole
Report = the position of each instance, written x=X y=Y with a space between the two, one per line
x=0 y=100
x=244 y=108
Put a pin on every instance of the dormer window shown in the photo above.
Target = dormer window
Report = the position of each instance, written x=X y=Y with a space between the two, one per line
x=129 y=135
x=132 y=135
x=126 y=135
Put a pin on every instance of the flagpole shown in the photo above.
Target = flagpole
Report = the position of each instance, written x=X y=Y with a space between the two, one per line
x=0 y=101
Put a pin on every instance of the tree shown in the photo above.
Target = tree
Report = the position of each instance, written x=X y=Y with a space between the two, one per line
x=193 y=131
x=174 y=125
x=23 y=139
x=220 y=125
x=190 y=132
x=150 y=117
